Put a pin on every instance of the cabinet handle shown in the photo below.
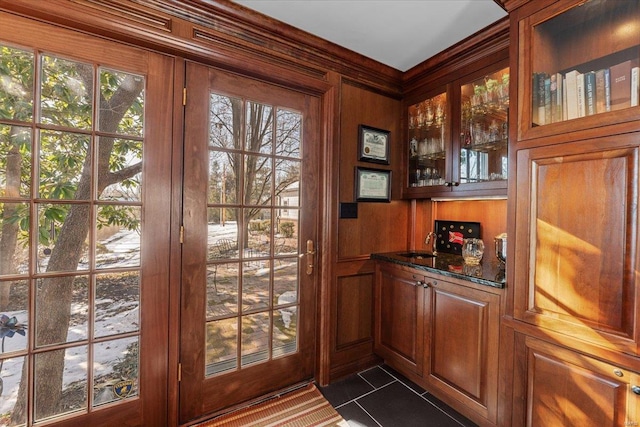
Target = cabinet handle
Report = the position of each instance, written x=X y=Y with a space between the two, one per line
x=420 y=283
x=448 y=184
x=430 y=284
x=455 y=184
x=635 y=389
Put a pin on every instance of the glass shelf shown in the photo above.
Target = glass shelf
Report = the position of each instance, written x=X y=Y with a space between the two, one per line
x=427 y=141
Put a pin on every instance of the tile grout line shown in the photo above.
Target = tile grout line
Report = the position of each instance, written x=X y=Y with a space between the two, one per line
x=367 y=412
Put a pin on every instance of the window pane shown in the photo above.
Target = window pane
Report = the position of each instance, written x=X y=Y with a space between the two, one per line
x=56 y=255
x=222 y=236
x=120 y=176
x=285 y=331
x=14 y=232
x=285 y=282
x=48 y=330
x=255 y=287
x=257 y=180
x=115 y=370
x=12 y=370
x=16 y=84
x=118 y=236
x=225 y=121
x=288 y=133
x=223 y=179
x=63 y=160
x=222 y=346
x=286 y=238
x=14 y=316
x=258 y=234
x=121 y=103
x=259 y=128
x=117 y=303
x=66 y=93
x=255 y=338
x=222 y=290
x=15 y=161
x=73 y=397
x=287 y=182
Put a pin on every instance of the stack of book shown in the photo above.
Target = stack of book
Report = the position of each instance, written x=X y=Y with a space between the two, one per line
x=558 y=97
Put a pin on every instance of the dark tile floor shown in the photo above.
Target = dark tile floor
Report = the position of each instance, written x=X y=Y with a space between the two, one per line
x=382 y=397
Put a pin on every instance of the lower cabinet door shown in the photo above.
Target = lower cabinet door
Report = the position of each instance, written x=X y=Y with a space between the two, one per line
x=461 y=361
x=566 y=388
x=398 y=319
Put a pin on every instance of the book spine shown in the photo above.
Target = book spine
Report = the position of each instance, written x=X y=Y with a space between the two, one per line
x=547 y=100
x=600 y=99
x=572 y=94
x=607 y=90
x=535 y=99
x=541 y=112
x=634 y=86
x=553 y=98
x=590 y=93
x=580 y=93
x=559 y=97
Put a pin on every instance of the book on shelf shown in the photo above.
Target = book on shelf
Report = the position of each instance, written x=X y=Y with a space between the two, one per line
x=535 y=99
x=635 y=86
x=580 y=86
x=600 y=88
x=571 y=82
x=607 y=89
x=541 y=99
x=559 y=113
x=590 y=93
x=620 y=75
x=547 y=100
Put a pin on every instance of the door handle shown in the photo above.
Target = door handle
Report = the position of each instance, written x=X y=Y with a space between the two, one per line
x=311 y=259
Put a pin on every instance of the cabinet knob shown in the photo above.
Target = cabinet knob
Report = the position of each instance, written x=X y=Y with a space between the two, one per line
x=455 y=184
x=430 y=284
x=448 y=184
x=420 y=283
x=635 y=389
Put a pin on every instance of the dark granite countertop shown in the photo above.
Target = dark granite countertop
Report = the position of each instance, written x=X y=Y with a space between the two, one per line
x=488 y=273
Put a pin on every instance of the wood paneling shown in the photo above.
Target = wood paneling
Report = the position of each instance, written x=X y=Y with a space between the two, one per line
x=380 y=227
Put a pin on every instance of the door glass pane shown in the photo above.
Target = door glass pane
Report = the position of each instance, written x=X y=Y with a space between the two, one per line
x=117 y=113
x=221 y=345
x=262 y=183
x=71 y=386
x=115 y=370
x=48 y=330
x=223 y=183
x=222 y=290
x=16 y=84
x=66 y=93
x=12 y=370
x=118 y=236
x=288 y=133
x=117 y=303
x=427 y=141
x=63 y=157
x=15 y=160
x=255 y=287
x=255 y=338
x=125 y=155
x=259 y=128
x=484 y=134
x=14 y=232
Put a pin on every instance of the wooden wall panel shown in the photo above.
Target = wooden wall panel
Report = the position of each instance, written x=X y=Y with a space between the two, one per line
x=380 y=227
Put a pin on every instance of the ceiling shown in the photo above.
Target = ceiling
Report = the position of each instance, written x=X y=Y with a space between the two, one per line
x=398 y=33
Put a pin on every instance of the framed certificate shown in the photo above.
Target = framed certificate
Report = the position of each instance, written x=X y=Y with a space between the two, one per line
x=373 y=145
x=373 y=185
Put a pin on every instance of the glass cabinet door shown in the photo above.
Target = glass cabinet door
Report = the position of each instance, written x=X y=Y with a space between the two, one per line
x=584 y=61
x=484 y=128
x=428 y=124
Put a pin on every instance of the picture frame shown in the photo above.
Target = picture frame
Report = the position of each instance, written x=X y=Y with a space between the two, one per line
x=373 y=145
x=372 y=185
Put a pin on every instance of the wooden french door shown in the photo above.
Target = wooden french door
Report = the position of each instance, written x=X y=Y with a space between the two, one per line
x=250 y=226
x=85 y=146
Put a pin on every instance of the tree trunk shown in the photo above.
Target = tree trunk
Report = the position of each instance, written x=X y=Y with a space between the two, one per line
x=9 y=235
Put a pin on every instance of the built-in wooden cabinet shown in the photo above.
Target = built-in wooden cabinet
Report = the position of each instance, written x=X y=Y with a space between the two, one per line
x=442 y=333
x=567 y=388
x=572 y=323
x=457 y=130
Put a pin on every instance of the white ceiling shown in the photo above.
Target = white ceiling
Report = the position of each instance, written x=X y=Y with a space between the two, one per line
x=398 y=33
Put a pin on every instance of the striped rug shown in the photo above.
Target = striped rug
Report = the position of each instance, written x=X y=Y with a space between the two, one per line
x=305 y=407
